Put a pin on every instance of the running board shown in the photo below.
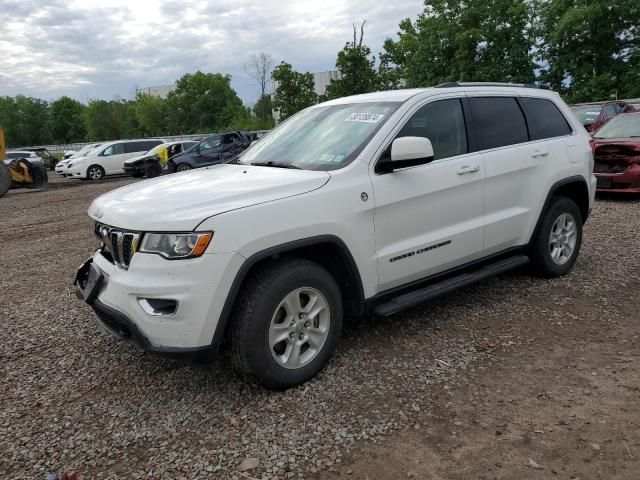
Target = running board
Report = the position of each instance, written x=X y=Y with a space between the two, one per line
x=416 y=297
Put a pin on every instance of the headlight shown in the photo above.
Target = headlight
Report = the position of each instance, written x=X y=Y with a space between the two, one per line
x=176 y=245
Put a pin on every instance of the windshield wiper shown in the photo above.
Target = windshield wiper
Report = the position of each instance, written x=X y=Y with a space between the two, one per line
x=275 y=165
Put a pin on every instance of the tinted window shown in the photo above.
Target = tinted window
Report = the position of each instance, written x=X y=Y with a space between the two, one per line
x=499 y=122
x=544 y=119
x=115 y=149
x=442 y=122
x=149 y=144
x=210 y=143
x=610 y=111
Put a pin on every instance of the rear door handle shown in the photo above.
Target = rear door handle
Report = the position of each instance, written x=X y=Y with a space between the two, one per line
x=539 y=153
x=468 y=169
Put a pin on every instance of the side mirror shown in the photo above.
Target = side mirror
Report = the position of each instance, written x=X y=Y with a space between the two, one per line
x=406 y=152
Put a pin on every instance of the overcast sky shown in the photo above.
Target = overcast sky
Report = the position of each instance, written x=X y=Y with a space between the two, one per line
x=106 y=48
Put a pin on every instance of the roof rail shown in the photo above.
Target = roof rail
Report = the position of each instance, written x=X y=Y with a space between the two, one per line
x=486 y=84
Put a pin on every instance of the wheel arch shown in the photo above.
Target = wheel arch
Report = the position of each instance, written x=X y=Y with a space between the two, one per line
x=574 y=188
x=328 y=251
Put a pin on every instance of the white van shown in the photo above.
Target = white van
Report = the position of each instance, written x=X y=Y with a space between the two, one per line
x=108 y=159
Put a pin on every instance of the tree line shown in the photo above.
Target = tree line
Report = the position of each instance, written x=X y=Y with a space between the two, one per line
x=200 y=103
x=586 y=50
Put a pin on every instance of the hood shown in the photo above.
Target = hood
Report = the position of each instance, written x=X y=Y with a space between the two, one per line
x=618 y=149
x=135 y=159
x=181 y=201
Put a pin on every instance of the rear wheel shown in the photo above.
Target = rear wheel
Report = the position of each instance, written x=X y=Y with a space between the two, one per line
x=95 y=172
x=286 y=323
x=183 y=167
x=5 y=179
x=558 y=240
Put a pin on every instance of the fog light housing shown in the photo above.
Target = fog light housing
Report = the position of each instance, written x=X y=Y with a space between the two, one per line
x=158 y=307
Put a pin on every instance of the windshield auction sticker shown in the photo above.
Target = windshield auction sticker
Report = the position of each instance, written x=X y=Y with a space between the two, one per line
x=365 y=117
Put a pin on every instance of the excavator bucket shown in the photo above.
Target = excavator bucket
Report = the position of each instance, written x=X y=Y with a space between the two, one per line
x=19 y=172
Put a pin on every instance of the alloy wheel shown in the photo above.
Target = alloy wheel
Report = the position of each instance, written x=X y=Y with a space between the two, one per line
x=563 y=238
x=299 y=328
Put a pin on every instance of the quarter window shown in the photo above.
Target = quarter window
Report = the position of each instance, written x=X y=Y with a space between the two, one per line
x=499 y=122
x=544 y=119
x=442 y=122
x=610 y=111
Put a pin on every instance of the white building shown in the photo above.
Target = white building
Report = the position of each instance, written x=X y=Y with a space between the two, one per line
x=158 y=91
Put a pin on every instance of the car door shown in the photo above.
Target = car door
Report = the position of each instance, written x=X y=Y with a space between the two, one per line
x=519 y=171
x=111 y=158
x=429 y=218
x=209 y=152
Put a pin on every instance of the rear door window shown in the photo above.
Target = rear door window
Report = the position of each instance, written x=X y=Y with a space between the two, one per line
x=610 y=111
x=544 y=119
x=498 y=121
x=442 y=122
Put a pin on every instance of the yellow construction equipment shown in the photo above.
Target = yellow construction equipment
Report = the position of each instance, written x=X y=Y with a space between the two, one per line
x=19 y=172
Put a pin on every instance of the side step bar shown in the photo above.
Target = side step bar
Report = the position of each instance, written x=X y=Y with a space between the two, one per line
x=421 y=295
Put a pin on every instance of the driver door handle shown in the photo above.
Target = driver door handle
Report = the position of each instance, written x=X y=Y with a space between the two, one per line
x=468 y=169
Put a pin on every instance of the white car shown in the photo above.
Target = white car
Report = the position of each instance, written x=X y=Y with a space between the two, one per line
x=83 y=152
x=14 y=154
x=108 y=159
x=372 y=203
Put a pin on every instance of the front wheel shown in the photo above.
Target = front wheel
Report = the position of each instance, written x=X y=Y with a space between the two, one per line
x=183 y=167
x=286 y=323
x=95 y=172
x=557 y=243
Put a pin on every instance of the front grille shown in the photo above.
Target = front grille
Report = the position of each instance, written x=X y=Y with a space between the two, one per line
x=119 y=246
x=609 y=167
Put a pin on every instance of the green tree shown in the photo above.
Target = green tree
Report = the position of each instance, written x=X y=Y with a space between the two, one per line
x=294 y=90
x=263 y=109
x=66 y=120
x=357 y=69
x=202 y=102
x=476 y=40
x=24 y=120
x=590 y=49
x=151 y=114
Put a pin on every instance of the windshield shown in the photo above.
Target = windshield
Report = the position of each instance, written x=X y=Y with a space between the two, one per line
x=587 y=115
x=84 y=151
x=622 y=126
x=321 y=138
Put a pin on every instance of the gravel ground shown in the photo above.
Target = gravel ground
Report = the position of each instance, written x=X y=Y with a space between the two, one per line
x=74 y=397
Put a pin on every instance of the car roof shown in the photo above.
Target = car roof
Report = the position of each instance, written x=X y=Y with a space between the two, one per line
x=403 y=95
x=28 y=152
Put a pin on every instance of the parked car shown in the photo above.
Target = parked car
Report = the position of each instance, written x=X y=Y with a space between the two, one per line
x=213 y=150
x=149 y=164
x=48 y=159
x=83 y=152
x=371 y=203
x=595 y=115
x=14 y=154
x=108 y=159
x=617 y=155
x=68 y=154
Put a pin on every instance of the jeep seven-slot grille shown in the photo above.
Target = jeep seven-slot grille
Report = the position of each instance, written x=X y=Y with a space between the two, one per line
x=119 y=246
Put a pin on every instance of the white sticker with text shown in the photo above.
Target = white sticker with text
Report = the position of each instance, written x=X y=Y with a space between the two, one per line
x=365 y=117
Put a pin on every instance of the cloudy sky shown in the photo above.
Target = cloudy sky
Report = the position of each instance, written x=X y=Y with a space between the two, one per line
x=106 y=48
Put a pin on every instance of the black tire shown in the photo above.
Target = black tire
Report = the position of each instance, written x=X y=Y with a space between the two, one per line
x=183 y=167
x=5 y=179
x=257 y=307
x=39 y=175
x=542 y=262
x=95 y=173
x=137 y=174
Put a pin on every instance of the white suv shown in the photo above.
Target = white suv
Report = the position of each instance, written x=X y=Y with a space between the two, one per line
x=107 y=159
x=366 y=204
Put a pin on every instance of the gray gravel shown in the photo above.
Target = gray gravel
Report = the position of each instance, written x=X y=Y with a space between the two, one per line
x=74 y=397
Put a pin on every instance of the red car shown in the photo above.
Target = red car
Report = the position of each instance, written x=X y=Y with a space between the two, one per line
x=595 y=115
x=617 y=155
